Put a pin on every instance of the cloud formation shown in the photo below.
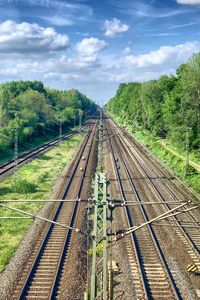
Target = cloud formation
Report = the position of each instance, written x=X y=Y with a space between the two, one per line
x=59 y=20
x=53 y=12
x=48 y=4
x=189 y=2
x=114 y=27
x=124 y=67
x=142 y=9
x=30 y=38
x=87 y=69
x=183 y=25
x=164 y=56
x=151 y=65
x=90 y=46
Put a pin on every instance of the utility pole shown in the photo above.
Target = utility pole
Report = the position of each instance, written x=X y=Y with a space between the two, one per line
x=74 y=121
x=102 y=104
x=100 y=146
x=187 y=149
x=80 y=118
x=15 y=149
x=99 y=274
x=101 y=113
x=98 y=287
x=60 y=132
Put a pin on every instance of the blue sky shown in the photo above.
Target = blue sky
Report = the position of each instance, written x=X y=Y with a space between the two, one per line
x=94 y=45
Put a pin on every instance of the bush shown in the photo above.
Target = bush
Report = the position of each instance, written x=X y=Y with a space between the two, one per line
x=23 y=186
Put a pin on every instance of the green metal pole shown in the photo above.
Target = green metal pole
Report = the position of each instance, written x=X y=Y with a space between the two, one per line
x=94 y=242
x=98 y=285
x=104 y=237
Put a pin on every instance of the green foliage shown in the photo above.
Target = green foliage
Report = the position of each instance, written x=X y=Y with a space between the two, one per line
x=36 y=110
x=99 y=250
x=165 y=107
x=23 y=186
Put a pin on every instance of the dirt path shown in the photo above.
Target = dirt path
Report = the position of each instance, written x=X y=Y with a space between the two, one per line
x=192 y=163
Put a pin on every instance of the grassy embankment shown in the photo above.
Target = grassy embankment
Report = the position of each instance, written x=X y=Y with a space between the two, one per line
x=33 y=181
x=155 y=146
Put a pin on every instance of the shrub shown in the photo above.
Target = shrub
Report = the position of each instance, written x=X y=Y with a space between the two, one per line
x=23 y=186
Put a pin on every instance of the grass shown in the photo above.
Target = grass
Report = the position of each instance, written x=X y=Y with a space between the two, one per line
x=194 y=155
x=172 y=161
x=23 y=186
x=33 y=181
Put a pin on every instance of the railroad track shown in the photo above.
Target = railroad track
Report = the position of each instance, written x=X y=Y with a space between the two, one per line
x=165 y=192
x=152 y=277
x=43 y=273
x=9 y=166
x=159 y=165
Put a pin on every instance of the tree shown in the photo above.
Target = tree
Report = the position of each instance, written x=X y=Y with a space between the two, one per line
x=35 y=109
x=167 y=106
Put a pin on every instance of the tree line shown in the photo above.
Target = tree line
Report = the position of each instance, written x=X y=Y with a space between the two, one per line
x=167 y=107
x=35 y=110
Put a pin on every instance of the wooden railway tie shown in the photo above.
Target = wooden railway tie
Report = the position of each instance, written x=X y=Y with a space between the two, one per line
x=192 y=268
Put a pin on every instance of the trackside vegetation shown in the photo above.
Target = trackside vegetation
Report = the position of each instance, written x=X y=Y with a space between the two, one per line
x=32 y=181
x=36 y=111
x=160 y=112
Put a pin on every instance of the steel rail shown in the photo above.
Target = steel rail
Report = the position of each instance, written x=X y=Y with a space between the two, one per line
x=159 y=163
x=53 y=142
x=51 y=226
x=153 y=164
x=26 y=156
x=72 y=221
x=140 y=167
x=150 y=229
x=130 y=224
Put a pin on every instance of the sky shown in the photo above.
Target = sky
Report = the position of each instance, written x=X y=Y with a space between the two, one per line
x=94 y=45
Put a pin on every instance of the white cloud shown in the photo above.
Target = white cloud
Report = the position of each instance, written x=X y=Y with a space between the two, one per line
x=87 y=71
x=183 y=25
x=56 y=12
x=189 y=2
x=164 y=55
x=90 y=46
x=59 y=20
x=162 y=34
x=114 y=27
x=127 y=50
x=30 y=38
x=148 y=66
x=142 y=9
x=47 y=3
